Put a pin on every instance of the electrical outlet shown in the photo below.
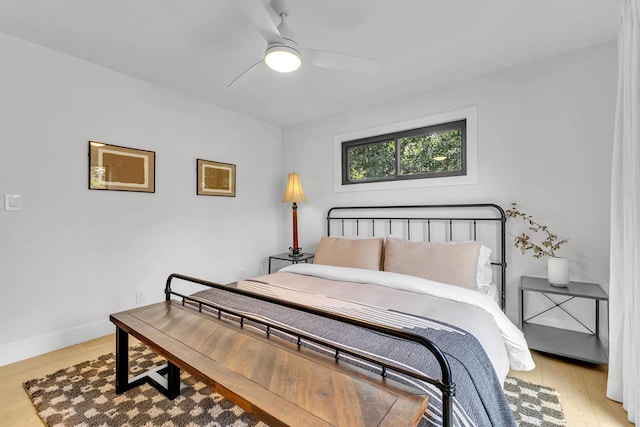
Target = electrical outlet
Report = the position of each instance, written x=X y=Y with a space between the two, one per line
x=139 y=297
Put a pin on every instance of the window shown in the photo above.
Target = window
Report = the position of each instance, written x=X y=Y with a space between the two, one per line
x=426 y=152
x=391 y=131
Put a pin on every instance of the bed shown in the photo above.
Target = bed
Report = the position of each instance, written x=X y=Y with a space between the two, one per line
x=416 y=293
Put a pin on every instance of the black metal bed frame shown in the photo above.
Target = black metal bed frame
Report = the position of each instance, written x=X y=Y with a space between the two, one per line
x=445 y=384
x=373 y=214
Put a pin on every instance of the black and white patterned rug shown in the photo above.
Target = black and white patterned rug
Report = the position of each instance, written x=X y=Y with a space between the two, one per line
x=84 y=395
x=534 y=405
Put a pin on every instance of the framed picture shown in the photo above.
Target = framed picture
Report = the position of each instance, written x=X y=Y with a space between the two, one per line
x=216 y=179
x=119 y=168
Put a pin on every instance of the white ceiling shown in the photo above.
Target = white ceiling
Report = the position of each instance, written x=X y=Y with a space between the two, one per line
x=197 y=47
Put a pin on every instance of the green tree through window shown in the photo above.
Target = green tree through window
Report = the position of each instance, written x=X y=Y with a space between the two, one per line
x=372 y=161
x=428 y=152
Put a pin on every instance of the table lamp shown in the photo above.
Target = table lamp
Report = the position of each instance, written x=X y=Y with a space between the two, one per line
x=294 y=194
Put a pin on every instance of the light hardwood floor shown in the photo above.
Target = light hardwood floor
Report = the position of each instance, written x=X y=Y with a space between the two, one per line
x=581 y=386
x=582 y=390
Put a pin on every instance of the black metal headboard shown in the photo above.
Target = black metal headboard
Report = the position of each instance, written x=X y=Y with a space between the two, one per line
x=484 y=222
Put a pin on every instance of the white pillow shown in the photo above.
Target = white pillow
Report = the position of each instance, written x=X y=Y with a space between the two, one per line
x=485 y=271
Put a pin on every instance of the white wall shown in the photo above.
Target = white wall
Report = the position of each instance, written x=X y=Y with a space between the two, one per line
x=544 y=140
x=71 y=256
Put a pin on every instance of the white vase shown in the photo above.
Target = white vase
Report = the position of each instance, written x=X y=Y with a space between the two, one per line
x=558 y=271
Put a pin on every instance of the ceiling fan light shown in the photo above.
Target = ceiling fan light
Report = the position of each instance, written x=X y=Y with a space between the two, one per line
x=282 y=59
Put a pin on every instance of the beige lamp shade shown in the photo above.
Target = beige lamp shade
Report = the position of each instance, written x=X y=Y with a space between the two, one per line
x=294 y=192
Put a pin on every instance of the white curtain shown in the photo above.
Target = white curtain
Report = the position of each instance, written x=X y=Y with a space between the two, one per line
x=624 y=285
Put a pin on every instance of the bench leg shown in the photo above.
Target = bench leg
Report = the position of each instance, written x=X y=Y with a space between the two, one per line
x=169 y=386
x=173 y=381
x=122 y=361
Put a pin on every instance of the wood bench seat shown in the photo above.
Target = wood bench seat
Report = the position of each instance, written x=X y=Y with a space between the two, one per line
x=279 y=382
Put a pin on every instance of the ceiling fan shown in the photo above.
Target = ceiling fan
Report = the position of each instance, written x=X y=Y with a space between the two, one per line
x=283 y=53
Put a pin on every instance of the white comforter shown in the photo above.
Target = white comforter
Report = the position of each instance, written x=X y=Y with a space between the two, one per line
x=514 y=341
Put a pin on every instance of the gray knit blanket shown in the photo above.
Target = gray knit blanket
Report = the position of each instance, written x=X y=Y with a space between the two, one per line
x=479 y=399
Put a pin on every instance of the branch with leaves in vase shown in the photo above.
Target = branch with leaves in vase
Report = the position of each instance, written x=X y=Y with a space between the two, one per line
x=558 y=268
x=547 y=247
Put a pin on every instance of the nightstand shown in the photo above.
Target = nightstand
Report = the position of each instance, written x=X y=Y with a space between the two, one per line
x=562 y=342
x=290 y=258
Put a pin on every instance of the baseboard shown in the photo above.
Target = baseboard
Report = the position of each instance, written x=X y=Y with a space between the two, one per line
x=24 y=349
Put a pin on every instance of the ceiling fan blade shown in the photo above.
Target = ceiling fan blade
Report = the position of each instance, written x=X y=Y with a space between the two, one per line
x=259 y=16
x=244 y=72
x=339 y=61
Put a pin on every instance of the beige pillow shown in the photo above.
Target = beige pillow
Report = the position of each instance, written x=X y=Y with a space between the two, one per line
x=452 y=264
x=356 y=253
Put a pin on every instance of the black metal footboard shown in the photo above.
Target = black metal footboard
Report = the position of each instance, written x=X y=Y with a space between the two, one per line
x=445 y=384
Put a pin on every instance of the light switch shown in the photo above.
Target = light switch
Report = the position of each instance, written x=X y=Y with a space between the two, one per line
x=11 y=202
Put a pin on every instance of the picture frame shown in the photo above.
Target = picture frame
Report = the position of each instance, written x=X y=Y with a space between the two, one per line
x=112 y=167
x=215 y=178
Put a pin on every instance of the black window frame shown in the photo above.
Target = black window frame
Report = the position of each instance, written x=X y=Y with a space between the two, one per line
x=395 y=136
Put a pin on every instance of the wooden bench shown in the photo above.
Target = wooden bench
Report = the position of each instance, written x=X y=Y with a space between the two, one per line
x=279 y=382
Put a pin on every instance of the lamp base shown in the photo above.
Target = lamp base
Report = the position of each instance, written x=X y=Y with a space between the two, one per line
x=295 y=252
